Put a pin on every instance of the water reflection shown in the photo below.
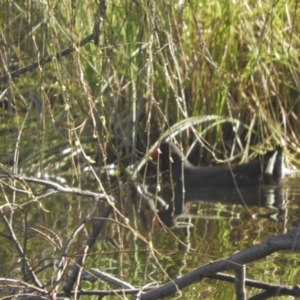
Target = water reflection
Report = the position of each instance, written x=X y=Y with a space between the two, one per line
x=271 y=202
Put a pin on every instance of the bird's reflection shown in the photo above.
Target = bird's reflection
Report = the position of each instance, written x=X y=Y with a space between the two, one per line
x=168 y=215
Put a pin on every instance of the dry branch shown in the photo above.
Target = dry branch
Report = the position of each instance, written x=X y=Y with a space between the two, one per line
x=289 y=241
x=89 y=244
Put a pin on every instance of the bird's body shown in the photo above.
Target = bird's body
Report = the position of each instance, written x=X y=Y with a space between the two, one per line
x=265 y=170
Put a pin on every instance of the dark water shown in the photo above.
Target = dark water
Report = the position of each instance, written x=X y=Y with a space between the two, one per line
x=132 y=249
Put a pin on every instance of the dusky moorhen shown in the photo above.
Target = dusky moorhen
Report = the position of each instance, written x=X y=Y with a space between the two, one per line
x=191 y=183
x=266 y=169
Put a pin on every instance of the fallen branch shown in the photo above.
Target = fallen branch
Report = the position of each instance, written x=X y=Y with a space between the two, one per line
x=289 y=241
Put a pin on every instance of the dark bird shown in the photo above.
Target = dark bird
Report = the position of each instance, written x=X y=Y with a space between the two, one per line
x=231 y=182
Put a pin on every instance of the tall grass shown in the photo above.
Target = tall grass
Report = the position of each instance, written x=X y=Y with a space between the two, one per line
x=157 y=64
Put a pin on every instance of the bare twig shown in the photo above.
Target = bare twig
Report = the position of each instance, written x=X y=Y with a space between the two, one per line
x=22 y=254
x=239 y=282
x=7 y=282
x=89 y=244
x=59 y=188
x=111 y=279
x=94 y=36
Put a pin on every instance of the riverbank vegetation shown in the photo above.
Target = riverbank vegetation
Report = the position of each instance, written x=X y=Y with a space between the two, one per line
x=87 y=88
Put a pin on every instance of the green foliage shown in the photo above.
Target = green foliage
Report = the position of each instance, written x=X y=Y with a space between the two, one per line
x=156 y=64
x=225 y=73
